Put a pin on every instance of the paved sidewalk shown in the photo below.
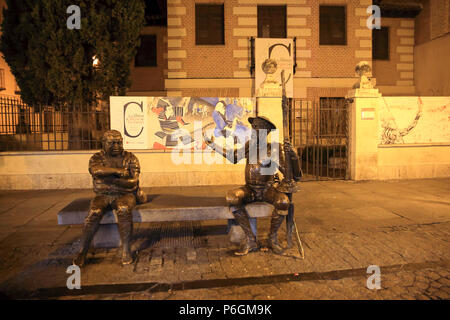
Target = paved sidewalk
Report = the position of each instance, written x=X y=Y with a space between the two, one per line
x=401 y=226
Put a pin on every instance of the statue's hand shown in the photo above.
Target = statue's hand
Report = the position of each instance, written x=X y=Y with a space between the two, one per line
x=276 y=178
x=123 y=173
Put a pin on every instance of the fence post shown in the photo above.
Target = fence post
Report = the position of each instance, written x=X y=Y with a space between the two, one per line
x=363 y=134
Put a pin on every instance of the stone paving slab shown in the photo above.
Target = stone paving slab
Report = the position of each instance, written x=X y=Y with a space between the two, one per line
x=412 y=281
x=342 y=231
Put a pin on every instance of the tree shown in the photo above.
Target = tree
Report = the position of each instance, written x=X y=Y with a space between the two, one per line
x=53 y=64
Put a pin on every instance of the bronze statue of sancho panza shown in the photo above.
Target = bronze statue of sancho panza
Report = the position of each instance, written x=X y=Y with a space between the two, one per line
x=115 y=174
x=260 y=185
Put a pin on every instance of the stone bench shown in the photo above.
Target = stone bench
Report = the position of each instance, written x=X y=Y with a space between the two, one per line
x=164 y=208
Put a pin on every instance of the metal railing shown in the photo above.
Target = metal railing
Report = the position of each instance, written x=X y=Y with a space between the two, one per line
x=319 y=131
x=27 y=128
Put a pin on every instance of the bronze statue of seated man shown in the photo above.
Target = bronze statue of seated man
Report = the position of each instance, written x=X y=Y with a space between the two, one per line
x=260 y=170
x=115 y=174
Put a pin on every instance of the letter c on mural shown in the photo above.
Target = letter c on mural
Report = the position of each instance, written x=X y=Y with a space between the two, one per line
x=133 y=119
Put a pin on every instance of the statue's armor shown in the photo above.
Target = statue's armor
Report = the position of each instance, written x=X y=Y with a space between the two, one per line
x=255 y=178
x=253 y=175
x=104 y=185
x=259 y=181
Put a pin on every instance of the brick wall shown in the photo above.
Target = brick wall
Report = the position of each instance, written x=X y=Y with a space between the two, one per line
x=432 y=48
x=399 y=69
x=186 y=60
x=150 y=80
x=226 y=67
x=340 y=61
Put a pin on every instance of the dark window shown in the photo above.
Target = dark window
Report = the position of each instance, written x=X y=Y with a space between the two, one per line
x=380 y=44
x=332 y=25
x=271 y=21
x=209 y=24
x=155 y=12
x=146 y=54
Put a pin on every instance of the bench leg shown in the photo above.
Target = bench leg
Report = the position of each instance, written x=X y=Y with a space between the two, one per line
x=236 y=233
x=107 y=236
x=253 y=225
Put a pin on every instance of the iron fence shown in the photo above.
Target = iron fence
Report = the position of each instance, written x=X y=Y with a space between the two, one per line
x=28 y=128
x=319 y=131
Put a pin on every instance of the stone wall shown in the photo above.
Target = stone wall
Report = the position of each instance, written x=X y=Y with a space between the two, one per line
x=423 y=151
x=69 y=170
x=432 y=64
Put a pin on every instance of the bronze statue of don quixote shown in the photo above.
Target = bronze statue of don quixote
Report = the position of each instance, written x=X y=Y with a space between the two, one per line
x=115 y=175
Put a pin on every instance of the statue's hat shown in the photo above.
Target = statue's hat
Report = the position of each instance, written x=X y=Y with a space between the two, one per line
x=267 y=123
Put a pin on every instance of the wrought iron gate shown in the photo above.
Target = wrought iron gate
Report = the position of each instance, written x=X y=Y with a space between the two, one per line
x=28 y=128
x=319 y=131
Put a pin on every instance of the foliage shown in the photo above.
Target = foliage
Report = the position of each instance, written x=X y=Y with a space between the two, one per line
x=53 y=64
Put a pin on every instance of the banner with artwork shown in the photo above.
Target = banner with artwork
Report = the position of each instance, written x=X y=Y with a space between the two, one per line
x=414 y=120
x=280 y=53
x=181 y=122
x=129 y=116
x=165 y=123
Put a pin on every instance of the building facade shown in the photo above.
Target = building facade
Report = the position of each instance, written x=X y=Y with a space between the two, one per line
x=206 y=49
x=181 y=53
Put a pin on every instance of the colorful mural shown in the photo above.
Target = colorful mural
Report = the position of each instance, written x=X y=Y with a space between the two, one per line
x=414 y=120
x=175 y=122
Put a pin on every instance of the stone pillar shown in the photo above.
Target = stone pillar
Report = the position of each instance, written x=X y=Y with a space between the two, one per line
x=363 y=134
x=270 y=107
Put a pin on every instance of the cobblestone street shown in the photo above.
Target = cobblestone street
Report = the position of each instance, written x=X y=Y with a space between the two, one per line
x=401 y=226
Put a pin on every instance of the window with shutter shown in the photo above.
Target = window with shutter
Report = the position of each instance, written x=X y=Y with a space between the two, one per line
x=332 y=23
x=146 y=54
x=380 y=44
x=272 y=22
x=209 y=24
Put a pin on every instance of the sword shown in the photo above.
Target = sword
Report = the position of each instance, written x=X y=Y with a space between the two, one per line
x=290 y=222
x=299 y=242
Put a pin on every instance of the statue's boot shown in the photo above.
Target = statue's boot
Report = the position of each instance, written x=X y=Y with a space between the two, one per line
x=89 y=230
x=275 y=224
x=249 y=244
x=125 y=230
